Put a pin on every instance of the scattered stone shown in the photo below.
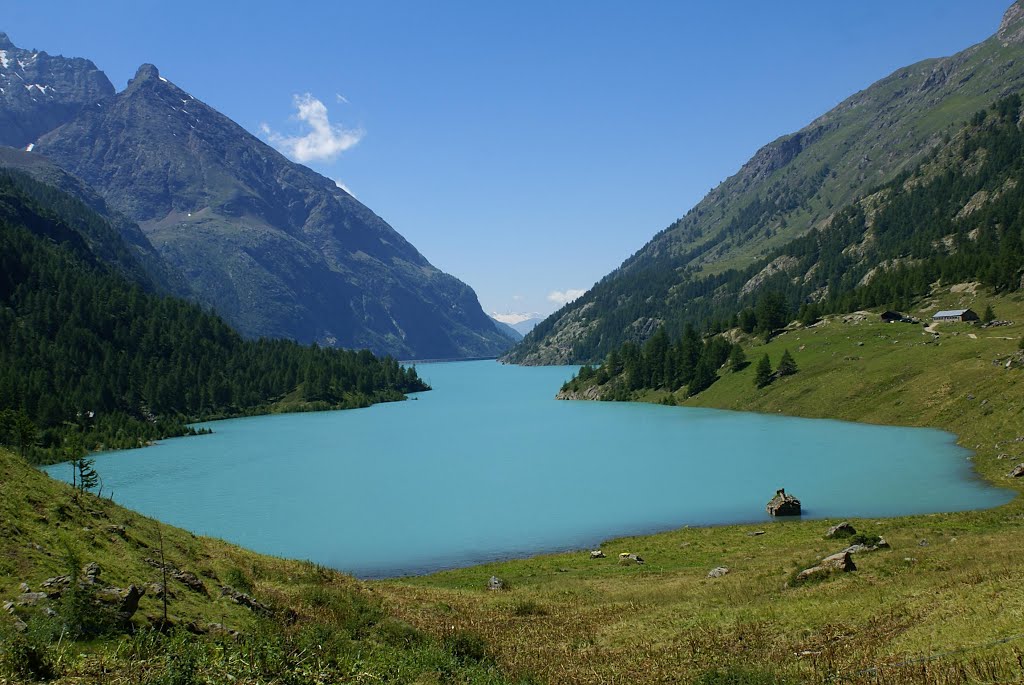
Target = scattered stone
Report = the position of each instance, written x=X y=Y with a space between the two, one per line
x=24 y=588
x=1017 y=471
x=116 y=530
x=9 y=607
x=718 y=572
x=220 y=629
x=186 y=578
x=923 y=543
x=248 y=602
x=1003 y=456
x=755 y=533
x=91 y=572
x=783 y=505
x=495 y=583
x=843 y=530
x=29 y=599
x=597 y=554
x=629 y=558
x=20 y=625
x=157 y=591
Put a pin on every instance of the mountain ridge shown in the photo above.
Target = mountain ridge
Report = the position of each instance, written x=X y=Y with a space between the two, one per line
x=277 y=249
x=789 y=187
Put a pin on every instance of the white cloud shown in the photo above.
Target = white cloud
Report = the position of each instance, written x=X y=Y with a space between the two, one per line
x=563 y=297
x=322 y=140
x=343 y=187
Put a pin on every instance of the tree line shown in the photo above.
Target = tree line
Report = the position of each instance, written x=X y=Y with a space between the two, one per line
x=85 y=351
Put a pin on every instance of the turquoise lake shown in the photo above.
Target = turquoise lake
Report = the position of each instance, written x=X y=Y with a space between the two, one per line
x=489 y=466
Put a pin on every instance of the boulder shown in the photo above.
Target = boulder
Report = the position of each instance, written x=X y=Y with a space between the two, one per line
x=861 y=548
x=628 y=558
x=23 y=587
x=495 y=583
x=783 y=504
x=597 y=554
x=755 y=533
x=718 y=572
x=841 y=530
x=125 y=602
x=1017 y=471
x=840 y=561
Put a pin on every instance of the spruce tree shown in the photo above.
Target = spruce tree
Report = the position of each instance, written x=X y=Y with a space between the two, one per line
x=989 y=316
x=737 y=358
x=763 y=376
x=787 y=365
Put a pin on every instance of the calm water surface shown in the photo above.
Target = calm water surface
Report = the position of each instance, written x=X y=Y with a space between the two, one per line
x=488 y=465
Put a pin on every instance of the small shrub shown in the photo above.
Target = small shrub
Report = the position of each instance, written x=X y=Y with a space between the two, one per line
x=733 y=675
x=181 y=664
x=865 y=539
x=236 y=578
x=29 y=655
x=528 y=607
x=397 y=633
x=466 y=646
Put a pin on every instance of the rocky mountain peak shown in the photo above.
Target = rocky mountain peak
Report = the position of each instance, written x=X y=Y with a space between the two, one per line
x=146 y=72
x=39 y=92
x=1011 y=28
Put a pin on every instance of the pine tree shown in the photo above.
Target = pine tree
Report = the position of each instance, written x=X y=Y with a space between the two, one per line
x=787 y=365
x=989 y=316
x=763 y=376
x=737 y=358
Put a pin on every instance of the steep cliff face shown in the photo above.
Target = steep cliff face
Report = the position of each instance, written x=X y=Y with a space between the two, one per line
x=39 y=92
x=275 y=248
x=790 y=186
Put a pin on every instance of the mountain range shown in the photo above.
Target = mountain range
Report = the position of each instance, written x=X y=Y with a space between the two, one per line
x=719 y=256
x=275 y=248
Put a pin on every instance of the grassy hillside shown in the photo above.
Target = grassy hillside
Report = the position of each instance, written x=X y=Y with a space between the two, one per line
x=950 y=582
x=308 y=624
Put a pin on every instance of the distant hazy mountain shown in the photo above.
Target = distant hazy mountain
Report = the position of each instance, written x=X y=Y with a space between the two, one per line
x=39 y=92
x=521 y=323
x=788 y=188
x=277 y=249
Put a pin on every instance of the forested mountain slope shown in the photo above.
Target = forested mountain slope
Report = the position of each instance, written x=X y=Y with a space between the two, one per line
x=85 y=351
x=790 y=187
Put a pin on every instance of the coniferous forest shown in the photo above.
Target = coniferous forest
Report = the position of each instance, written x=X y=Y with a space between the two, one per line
x=84 y=351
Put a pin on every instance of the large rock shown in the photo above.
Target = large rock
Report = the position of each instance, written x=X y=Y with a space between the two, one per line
x=1017 y=471
x=840 y=561
x=495 y=583
x=841 y=530
x=718 y=572
x=783 y=504
x=597 y=554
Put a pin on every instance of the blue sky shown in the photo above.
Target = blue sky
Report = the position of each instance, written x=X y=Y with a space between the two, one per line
x=526 y=147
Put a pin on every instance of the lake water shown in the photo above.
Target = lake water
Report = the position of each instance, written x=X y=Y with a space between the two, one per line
x=488 y=465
